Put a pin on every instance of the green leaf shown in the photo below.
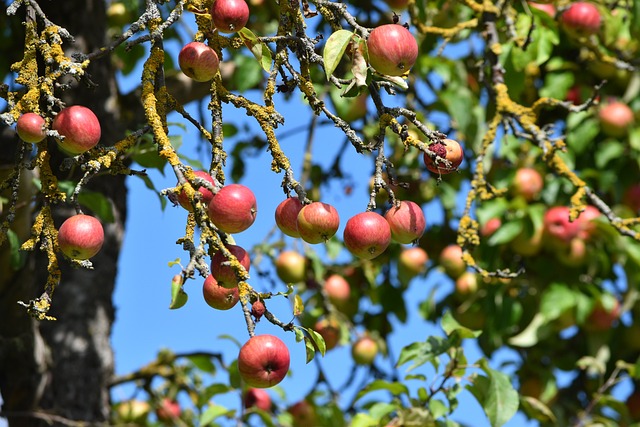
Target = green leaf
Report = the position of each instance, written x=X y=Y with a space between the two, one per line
x=438 y=408
x=556 y=299
x=298 y=305
x=17 y=258
x=610 y=150
x=318 y=340
x=98 y=204
x=178 y=296
x=260 y=50
x=580 y=135
x=212 y=412
x=310 y=349
x=204 y=363
x=496 y=395
x=450 y=326
x=334 y=49
x=532 y=334
x=395 y=388
x=248 y=73
x=506 y=233
x=424 y=352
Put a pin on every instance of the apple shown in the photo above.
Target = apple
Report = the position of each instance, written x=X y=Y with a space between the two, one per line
x=547 y=8
x=303 y=414
x=527 y=183
x=287 y=216
x=392 y=49
x=581 y=19
x=330 y=331
x=528 y=245
x=198 y=61
x=80 y=237
x=206 y=195
x=631 y=197
x=229 y=16
x=490 y=227
x=263 y=361
x=407 y=222
x=412 y=262
x=291 y=267
x=337 y=290
x=133 y=411
x=466 y=284
x=364 y=350
x=257 y=397
x=531 y=386
x=317 y=222
x=397 y=4
x=558 y=230
x=233 y=208
x=31 y=128
x=452 y=262
x=605 y=312
x=79 y=127
x=587 y=227
x=447 y=149
x=168 y=410
x=615 y=119
x=367 y=235
x=217 y=296
x=574 y=95
x=633 y=405
x=225 y=274
x=258 y=309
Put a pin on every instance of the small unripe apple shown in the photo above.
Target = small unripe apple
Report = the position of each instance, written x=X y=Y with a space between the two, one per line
x=338 y=290
x=257 y=309
x=287 y=216
x=233 y=208
x=615 y=119
x=490 y=227
x=30 y=128
x=79 y=127
x=229 y=16
x=407 y=222
x=198 y=61
x=330 y=331
x=133 y=411
x=217 y=296
x=225 y=274
x=411 y=262
x=257 y=397
x=168 y=410
x=452 y=262
x=581 y=19
x=392 y=49
x=80 y=237
x=303 y=414
x=527 y=183
x=364 y=350
x=367 y=235
x=263 y=361
x=447 y=149
x=317 y=222
x=466 y=284
x=206 y=195
x=291 y=267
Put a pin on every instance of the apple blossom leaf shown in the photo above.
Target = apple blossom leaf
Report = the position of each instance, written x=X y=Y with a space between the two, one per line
x=334 y=49
x=298 y=305
x=495 y=394
x=310 y=349
x=395 y=388
x=214 y=411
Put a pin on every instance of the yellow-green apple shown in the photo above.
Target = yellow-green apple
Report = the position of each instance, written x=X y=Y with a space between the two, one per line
x=291 y=267
x=452 y=262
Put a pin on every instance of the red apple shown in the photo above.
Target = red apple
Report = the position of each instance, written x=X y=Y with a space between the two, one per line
x=287 y=216
x=206 y=195
x=447 y=149
x=633 y=405
x=466 y=284
x=367 y=235
x=581 y=19
x=258 y=309
x=631 y=198
x=604 y=313
x=412 y=262
x=291 y=267
x=557 y=227
x=317 y=222
x=330 y=331
x=585 y=222
x=168 y=410
x=549 y=9
x=406 y=221
x=79 y=127
x=217 y=296
x=225 y=274
x=80 y=237
x=198 y=61
x=490 y=227
x=452 y=262
x=263 y=361
x=30 y=128
x=615 y=119
x=527 y=183
x=575 y=254
x=364 y=350
x=233 y=208
x=229 y=16
x=337 y=289
x=257 y=397
x=392 y=49
x=303 y=414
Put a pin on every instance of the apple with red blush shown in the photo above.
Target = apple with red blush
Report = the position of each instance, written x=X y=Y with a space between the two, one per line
x=80 y=237
x=329 y=329
x=291 y=267
x=286 y=216
x=392 y=49
x=451 y=261
x=229 y=16
x=527 y=183
x=263 y=361
x=31 y=128
x=205 y=194
x=221 y=269
x=303 y=414
x=406 y=221
x=257 y=398
x=581 y=19
x=367 y=235
x=79 y=128
x=217 y=296
x=233 y=208
x=198 y=61
x=616 y=118
x=447 y=149
x=412 y=262
x=168 y=410
x=317 y=222
x=364 y=350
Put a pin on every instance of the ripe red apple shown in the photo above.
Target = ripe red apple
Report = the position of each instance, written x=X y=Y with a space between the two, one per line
x=287 y=216
x=291 y=267
x=615 y=119
x=367 y=235
x=30 y=128
x=490 y=227
x=633 y=405
x=392 y=49
x=412 y=262
x=330 y=331
x=206 y=195
x=258 y=309
x=466 y=284
x=549 y=9
x=229 y=16
x=604 y=313
x=631 y=198
x=406 y=221
x=217 y=296
x=447 y=149
x=263 y=361
x=233 y=208
x=168 y=410
x=557 y=227
x=80 y=237
x=225 y=274
x=338 y=290
x=452 y=262
x=574 y=95
x=364 y=350
x=585 y=222
x=317 y=222
x=257 y=397
x=303 y=414
x=581 y=19
x=198 y=61
x=79 y=127
x=527 y=183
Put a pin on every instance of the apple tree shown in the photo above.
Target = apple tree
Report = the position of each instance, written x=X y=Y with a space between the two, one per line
x=514 y=123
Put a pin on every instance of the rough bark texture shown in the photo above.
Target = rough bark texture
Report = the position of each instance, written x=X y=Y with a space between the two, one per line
x=63 y=367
